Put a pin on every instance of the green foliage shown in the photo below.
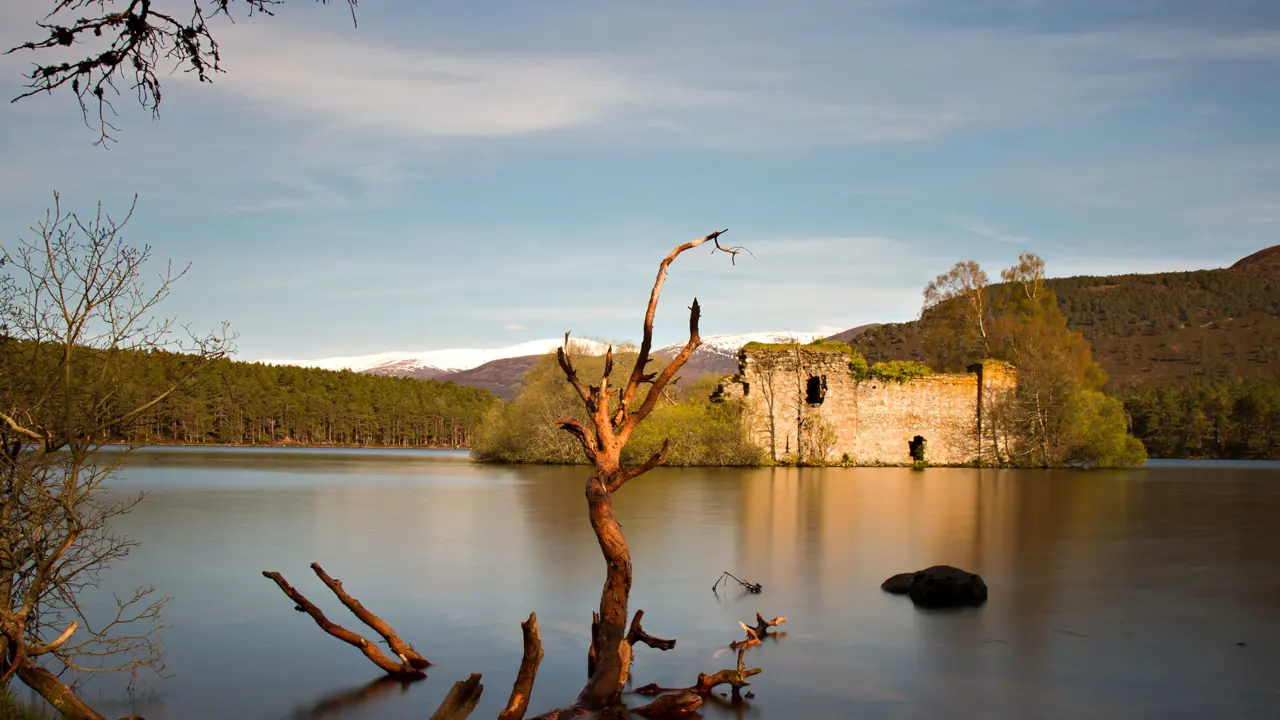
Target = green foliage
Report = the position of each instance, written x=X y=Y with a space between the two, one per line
x=818 y=345
x=1208 y=418
x=899 y=370
x=701 y=432
x=525 y=431
x=830 y=345
x=1100 y=433
x=858 y=367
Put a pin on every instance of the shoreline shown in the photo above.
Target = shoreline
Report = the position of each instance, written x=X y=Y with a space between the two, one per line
x=280 y=446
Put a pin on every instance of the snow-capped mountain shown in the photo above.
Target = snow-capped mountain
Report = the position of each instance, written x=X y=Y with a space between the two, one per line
x=718 y=354
x=434 y=363
x=732 y=343
x=501 y=369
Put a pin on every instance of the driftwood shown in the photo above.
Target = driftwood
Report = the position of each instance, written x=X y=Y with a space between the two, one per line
x=671 y=699
x=404 y=651
x=403 y=667
x=461 y=700
x=637 y=634
x=759 y=632
x=523 y=687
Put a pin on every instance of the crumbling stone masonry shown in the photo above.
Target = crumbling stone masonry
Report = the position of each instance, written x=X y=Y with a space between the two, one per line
x=810 y=392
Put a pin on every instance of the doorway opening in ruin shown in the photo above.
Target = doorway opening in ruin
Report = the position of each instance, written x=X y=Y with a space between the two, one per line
x=815 y=390
x=916 y=448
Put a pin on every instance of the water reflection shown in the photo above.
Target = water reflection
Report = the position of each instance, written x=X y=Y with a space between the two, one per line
x=1112 y=594
x=342 y=703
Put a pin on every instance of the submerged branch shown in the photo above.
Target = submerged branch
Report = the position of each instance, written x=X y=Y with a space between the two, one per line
x=401 y=669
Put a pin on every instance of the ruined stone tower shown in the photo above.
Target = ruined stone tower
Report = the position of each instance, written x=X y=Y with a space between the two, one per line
x=815 y=404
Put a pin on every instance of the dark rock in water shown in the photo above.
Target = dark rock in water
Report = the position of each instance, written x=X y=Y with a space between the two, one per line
x=940 y=586
x=899 y=584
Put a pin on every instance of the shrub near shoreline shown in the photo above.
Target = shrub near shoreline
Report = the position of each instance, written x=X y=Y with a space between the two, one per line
x=701 y=432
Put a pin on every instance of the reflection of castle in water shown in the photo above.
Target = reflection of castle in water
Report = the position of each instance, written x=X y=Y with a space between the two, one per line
x=839 y=532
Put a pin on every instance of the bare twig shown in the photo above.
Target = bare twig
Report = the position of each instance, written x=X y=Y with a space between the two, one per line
x=131 y=45
x=753 y=588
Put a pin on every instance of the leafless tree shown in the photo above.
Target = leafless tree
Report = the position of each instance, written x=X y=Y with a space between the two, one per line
x=1027 y=276
x=767 y=369
x=964 y=287
x=128 y=42
x=819 y=439
x=614 y=415
x=75 y=313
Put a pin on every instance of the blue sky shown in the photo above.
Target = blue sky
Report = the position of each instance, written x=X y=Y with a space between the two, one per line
x=486 y=173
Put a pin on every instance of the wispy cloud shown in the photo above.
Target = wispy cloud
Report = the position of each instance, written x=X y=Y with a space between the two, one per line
x=514 y=327
x=927 y=82
x=355 y=84
x=978 y=227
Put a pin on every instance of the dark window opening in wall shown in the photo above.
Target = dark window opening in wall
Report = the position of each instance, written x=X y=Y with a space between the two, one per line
x=746 y=389
x=916 y=448
x=815 y=390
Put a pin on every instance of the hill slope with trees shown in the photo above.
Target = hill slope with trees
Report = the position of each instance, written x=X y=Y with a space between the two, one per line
x=255 y=404
x=1150 y=329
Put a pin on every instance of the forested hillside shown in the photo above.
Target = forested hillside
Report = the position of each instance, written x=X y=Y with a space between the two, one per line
x=1149 y=329
x=225 y=402
x=255 y=404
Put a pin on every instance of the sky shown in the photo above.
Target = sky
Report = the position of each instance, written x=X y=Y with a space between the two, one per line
x=486 y=173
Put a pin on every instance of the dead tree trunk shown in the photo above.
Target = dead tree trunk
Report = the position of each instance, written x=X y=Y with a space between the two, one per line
x=55 y=692
x=613 y=416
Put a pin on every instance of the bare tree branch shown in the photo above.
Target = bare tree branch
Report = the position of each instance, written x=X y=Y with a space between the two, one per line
x=630 y=473
x=578 y=430
x=403 y=650
x=129 y=46
x=371 y=651
x=646 y=343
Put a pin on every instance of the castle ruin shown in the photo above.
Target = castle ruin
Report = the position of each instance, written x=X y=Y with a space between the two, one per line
x=806 y=399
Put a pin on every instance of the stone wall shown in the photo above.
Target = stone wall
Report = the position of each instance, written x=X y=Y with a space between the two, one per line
x=810 y=394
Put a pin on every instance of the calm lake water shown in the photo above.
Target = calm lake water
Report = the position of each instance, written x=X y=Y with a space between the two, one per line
x=1150 y=593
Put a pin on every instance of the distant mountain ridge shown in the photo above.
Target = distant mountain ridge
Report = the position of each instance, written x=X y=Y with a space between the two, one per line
x=432 y=364
x=500 y=370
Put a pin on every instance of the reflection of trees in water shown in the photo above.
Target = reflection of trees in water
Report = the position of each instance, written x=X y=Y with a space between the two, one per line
x=664 y=515
x=339 y=703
